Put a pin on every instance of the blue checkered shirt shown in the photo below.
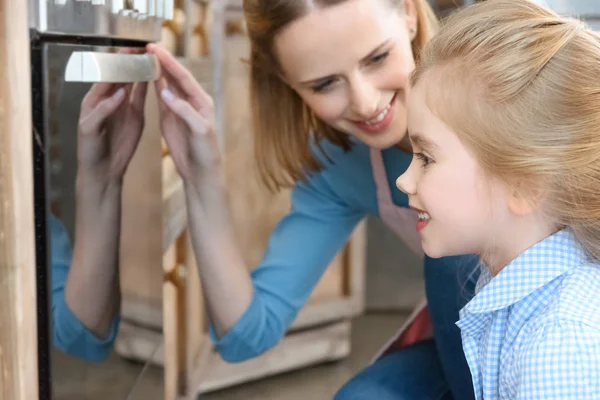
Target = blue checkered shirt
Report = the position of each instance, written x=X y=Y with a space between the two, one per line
x=533 y=331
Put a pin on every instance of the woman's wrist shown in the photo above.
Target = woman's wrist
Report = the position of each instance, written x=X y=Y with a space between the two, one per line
x=206 y=187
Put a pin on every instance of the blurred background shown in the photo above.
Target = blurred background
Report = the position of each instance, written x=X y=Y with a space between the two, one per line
x=162 y=347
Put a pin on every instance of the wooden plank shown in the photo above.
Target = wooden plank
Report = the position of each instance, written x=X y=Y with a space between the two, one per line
x=171 y=376
x=140 y=344
x=316 y=313
x=197 y=340
x=298 y=350
x=174 y=214
x=18 y=324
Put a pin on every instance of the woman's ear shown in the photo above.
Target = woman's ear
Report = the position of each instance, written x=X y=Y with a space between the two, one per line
x=410 y=16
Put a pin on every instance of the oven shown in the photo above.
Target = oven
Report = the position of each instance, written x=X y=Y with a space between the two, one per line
x=73 y=44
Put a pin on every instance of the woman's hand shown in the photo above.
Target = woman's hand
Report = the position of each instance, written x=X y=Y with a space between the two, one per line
x=188 y=121
x=110 y=127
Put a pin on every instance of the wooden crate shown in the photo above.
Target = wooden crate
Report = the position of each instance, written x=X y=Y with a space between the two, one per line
x=163 y=318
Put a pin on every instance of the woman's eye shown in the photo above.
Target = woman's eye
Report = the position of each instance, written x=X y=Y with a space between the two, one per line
x=321 y=87
x=379 y=58
x=424 y=159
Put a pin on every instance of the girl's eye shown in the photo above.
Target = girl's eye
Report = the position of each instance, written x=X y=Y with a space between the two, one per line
x=379 y=58
x=424 y=159
x=323 y=86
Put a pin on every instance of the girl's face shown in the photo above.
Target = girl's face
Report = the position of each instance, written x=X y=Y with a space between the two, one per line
x=462 y=211
x=350 y=64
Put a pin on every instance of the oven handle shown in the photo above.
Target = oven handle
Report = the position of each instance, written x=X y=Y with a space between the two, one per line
x=90 y=66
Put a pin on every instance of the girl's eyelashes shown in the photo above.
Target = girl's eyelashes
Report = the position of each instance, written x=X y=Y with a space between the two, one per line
x=425 y=160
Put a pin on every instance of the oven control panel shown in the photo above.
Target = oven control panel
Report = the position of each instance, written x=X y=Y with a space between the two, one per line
x=121 y=19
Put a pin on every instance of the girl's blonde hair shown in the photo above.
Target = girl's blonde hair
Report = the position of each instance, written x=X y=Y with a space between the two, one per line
x=520 y=86
x=282 y=123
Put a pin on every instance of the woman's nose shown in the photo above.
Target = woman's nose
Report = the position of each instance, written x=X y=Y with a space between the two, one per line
x=365 y=99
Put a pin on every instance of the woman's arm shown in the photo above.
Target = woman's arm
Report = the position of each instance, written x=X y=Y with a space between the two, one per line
x=70 y=335
x=299 y=250
x=86 y=291
x=249 y=313
x=92 y=290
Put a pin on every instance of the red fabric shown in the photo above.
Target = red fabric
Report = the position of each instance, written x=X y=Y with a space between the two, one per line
x=420 y=329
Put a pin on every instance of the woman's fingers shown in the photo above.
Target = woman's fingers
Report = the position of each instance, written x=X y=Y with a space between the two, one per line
x=185 y=111
x=182 y=78
x=95 y=119
x=95 y=95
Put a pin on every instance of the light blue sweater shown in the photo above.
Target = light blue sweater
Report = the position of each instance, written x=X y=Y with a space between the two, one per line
x=324 y=212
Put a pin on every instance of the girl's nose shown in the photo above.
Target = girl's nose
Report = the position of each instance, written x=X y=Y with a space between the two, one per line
x=407 y=182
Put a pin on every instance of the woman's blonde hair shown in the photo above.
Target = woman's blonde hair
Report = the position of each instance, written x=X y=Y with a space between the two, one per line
x=282 y=123
x=520 y=86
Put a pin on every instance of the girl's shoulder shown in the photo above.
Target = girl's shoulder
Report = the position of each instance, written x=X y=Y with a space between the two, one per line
x=578 y=296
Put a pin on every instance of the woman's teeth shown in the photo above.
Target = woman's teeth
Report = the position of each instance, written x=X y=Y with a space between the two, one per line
x=424 y=216
x=379 y=117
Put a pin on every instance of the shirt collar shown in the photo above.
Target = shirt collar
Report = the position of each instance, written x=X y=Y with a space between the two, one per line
x=538 y=265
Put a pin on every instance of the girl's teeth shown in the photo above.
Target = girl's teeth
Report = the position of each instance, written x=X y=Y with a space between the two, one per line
x=424 y=216
x=380 y=117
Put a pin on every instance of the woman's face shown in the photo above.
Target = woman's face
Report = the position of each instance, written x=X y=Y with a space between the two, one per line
x=350 y=63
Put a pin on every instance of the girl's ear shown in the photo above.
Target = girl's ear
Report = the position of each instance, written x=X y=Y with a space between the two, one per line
x=524 y=202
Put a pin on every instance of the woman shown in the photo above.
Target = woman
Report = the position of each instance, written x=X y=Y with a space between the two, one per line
x=329 y=86
x=85 y=280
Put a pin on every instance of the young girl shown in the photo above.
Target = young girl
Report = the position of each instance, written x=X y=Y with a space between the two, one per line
x=329 y=82
x=504 y=119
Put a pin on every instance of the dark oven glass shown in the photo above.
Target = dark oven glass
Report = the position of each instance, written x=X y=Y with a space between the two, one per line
x=63 y=373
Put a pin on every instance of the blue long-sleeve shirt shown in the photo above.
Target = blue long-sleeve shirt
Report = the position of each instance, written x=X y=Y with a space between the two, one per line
x=68 y=333
x=324 y=212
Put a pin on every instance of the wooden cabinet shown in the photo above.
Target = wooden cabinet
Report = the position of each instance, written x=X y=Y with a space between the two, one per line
x=163 y=317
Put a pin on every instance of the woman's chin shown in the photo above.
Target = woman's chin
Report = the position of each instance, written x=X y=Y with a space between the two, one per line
x=380 y=141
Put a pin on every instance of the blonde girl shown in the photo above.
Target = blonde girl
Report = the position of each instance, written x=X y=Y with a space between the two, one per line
x=504 y=119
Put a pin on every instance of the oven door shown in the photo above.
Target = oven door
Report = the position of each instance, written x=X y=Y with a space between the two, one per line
x=68 y=73
x=62 y=74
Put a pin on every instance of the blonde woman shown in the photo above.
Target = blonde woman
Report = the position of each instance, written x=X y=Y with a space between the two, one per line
x=329 y=84
x=507 y=166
